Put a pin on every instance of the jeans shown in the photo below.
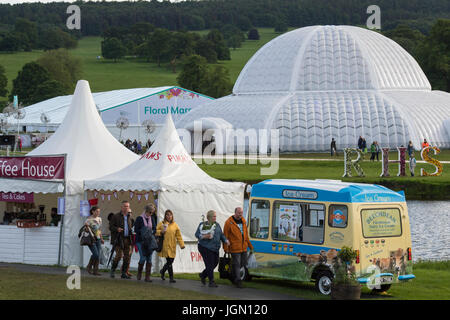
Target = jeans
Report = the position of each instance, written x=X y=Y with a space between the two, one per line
x=238 y=260
x=211 y=259
x=142 y=258
x=95 y=249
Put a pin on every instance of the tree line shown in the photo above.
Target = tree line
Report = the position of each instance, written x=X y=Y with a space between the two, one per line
x=55 y=73
x=96 y=17
x=26 y=35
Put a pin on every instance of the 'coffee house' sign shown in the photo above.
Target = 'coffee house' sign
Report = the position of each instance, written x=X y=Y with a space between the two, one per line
x=35 y=168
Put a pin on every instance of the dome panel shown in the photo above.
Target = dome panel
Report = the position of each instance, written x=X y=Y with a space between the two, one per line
x=324 y=58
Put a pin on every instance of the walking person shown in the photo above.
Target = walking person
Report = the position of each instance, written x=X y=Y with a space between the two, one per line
x=378 y=149
x=412 y=165
x=145 y=223
x=373 y=150
x=333 y=147
x=210 y=235
x=95 y=223
x=121 y=228
x=236 y=232
x=410 y=149
x=172 y=236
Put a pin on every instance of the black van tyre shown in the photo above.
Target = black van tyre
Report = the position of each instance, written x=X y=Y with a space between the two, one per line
x=383 y=288
x=323 y=282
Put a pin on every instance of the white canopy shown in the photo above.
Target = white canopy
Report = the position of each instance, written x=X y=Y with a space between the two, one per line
x=91 y=152
x=167 y=167
x=182 y=186
x=91 y=149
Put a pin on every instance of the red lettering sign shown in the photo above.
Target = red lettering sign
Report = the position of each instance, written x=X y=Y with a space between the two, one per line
x=17 y=197
x=196 y=256
x=36 y=167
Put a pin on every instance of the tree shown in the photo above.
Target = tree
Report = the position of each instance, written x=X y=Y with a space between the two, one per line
x=10 y=43
x=159 y=45
x=54 y=38
x=434 y=55
x=34 y=84
x=47 y=90
x=194 y=73
x=217 y=83
x=205 y=48
x=281 y=26
x=216 y=37
x=407 y=37
x=3 y=82
x=29 y=30
x=63 y=67
x=253 y=34
x=112 y=48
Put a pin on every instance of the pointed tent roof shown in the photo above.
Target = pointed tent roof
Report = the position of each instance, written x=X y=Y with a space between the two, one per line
x=91 y=149
x=165 y=166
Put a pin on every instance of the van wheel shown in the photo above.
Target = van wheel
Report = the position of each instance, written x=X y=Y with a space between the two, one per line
x=383 y=288
x=323 y=282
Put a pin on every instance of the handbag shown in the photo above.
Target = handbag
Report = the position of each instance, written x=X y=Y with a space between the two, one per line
x=225 y=267
x=153 y=243
x=160 y=241
x=86 y=236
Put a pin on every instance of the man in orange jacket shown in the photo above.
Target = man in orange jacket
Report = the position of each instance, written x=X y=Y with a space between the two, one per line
x=235 y=230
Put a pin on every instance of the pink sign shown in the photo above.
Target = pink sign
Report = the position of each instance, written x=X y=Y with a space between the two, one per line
x=40 y=168
x=17 y=197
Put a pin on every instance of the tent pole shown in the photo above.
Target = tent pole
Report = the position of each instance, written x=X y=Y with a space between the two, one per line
x=61 y=229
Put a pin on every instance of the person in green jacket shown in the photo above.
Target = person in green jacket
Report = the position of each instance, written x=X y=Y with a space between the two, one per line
x=373 y=150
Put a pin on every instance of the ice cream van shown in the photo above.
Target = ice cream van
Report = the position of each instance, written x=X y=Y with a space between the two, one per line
x=298 y=226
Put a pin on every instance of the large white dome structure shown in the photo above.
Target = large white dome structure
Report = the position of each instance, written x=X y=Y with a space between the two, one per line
x=322 y=82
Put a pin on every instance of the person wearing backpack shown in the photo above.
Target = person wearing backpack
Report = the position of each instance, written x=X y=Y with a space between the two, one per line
x=145 y=228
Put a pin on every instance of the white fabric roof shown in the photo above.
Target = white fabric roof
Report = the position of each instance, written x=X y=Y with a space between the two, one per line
x=56 y=108
x=91 y=149
x=31 y=186
x=330 y=58
x=322 y=82
x=165 y=166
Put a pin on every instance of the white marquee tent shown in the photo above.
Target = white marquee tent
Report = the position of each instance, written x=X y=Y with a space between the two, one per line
x=182 y=187
x=91 y=152
x=136 y=105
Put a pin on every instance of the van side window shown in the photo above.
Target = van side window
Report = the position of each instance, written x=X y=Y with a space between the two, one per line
x=338 y=216
x=287 y=221
x=259 y=219
x=313 y=230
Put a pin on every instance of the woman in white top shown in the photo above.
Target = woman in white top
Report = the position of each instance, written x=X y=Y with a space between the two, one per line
x=94 y=222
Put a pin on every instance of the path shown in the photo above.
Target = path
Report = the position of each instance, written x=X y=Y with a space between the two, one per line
x=226 y=291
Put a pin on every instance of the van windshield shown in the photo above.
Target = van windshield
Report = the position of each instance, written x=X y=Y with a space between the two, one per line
x=384 y=222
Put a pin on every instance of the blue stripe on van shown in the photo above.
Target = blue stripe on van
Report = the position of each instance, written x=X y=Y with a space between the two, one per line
x=266 y=247
x=341 y=191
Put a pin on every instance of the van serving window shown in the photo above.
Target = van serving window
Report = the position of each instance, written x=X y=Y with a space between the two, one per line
x=259 y=219
x=297 y=221
x=338 y=216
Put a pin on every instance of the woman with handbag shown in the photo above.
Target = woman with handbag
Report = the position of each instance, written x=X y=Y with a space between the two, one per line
x=145 y=228
x=94 y=222
x=210 y=234
x=172 y=234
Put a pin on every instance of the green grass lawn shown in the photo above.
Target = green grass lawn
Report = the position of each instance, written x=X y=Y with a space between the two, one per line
x=18 y=285
x=431 y=283
x=105 y=75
